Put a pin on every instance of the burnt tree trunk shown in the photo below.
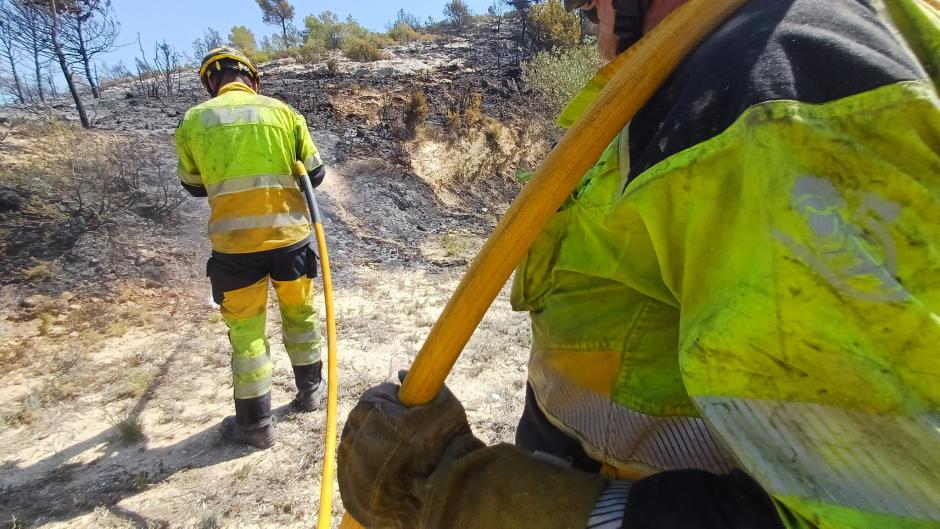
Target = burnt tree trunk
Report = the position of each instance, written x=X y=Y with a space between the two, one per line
x=86 y=61
x=8 y=52
x=66 y=70
x=36 y=64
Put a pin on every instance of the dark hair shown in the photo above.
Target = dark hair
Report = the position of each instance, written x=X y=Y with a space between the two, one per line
x=229 y=76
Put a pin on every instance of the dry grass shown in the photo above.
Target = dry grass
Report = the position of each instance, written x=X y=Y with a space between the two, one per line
x=456 y=244
x=38 y=272
x=135 y=385
x=130 y=430
x=46 y=321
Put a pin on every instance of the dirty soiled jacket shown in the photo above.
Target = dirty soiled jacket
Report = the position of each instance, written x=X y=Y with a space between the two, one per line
x=749 y=279
x=239 y=149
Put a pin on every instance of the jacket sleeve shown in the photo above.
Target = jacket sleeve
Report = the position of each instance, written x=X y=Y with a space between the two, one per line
x=686 y=499
x=186 y=167
x=801 y=276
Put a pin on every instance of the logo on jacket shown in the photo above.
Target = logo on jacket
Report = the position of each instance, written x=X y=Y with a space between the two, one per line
x=854 y=251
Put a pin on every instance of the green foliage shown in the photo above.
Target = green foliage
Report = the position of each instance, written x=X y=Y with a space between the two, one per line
x=403 y=33
x=555 y=77
x=276 y=12
x=457 y=12
x=242 y=38
x=324 y=28
x=363 y=49
x=327 y=30
x=553 y=27
x=309 y=53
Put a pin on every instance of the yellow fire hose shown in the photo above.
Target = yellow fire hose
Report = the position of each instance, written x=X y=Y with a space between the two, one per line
x=329 y=450
x=642 y=70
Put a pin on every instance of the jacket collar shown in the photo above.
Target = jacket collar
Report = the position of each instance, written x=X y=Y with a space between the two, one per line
x=236 y=87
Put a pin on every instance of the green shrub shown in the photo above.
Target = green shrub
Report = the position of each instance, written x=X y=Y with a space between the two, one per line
x=553 y=27
x=458 y=13
x=327 y=30
x=362 y=50
x=379 y=39
x=260 y=57
x=240 y=37
x=555 y=77
x=403 y=33
x=309 y=53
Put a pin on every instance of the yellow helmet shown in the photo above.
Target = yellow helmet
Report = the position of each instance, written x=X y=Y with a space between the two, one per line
x=226 y=58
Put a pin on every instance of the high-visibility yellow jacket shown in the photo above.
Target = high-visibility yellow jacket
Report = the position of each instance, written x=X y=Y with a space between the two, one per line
x=754 y=281
x=241 y=147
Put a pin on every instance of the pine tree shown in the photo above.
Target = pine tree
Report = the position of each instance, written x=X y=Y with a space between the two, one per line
x=458 y=12
x=243 y=39
x=278 y=13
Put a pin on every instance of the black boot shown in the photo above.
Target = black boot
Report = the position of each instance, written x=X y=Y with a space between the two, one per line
x=310 y=387
x=251 y=424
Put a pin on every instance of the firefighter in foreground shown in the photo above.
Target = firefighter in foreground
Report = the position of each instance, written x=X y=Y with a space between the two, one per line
x=238 y=149
x=735 y=315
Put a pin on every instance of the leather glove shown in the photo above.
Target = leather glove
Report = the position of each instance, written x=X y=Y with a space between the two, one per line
x=422 y=468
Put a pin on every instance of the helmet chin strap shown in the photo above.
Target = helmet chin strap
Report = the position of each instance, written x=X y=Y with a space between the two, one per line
x=628 y=24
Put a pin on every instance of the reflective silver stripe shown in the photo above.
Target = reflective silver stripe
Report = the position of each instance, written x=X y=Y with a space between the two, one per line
x=871 y=463
x=313 y=161
x=624 y=438
x=302 y=337
x=213 y=117
x=247 y=390
x=188 y=178
x=247 y=183
x=277 y=220
x=242 y=365
x=304 y=358
x=610 y=506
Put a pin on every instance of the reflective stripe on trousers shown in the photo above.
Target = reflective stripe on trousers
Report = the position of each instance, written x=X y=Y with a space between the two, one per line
x=635 y=444
x=301 y=327
x=244 y=312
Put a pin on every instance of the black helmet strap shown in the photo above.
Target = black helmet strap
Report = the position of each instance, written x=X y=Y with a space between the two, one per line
x=628 y=24
x=227 y=65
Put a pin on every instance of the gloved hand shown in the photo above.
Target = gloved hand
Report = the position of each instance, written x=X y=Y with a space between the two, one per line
x=422 y=468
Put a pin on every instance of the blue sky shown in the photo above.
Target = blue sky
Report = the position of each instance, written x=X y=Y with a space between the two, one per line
x=182 y=21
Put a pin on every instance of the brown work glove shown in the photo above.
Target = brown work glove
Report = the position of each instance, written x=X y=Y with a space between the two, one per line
x=422 y=468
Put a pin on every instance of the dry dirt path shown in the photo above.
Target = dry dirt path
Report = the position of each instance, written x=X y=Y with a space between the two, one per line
x=88 y=374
